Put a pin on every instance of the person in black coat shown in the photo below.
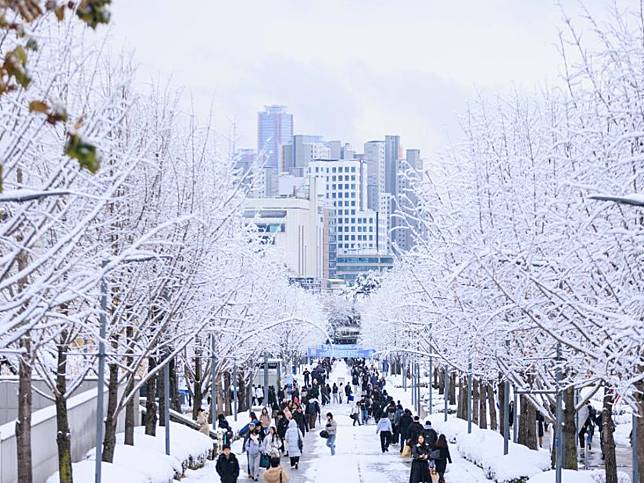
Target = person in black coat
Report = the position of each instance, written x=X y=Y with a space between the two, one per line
x=430 y=435
x=440 y=456
x=419 y=462
x=415 y=429
x=227 y=466
x=403 y=426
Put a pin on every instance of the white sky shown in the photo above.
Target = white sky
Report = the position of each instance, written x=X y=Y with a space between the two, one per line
x=353 y=69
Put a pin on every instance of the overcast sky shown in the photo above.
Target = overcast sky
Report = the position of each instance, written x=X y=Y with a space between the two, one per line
x=347 y=69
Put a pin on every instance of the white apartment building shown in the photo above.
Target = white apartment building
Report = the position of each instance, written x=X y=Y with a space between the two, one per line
x=341 y=186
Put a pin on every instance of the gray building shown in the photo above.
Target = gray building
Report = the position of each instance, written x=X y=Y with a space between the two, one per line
x=274 y=129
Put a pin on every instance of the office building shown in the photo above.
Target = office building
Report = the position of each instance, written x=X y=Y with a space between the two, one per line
x=374 y=157
x=274 y=129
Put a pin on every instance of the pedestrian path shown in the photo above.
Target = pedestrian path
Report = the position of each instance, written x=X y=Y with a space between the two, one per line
x=358 y=457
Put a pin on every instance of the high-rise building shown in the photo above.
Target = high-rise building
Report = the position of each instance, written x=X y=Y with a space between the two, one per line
x=274 y=129
x=392 y=155
x=374 y=156
x=301 y=150
x=341 y=185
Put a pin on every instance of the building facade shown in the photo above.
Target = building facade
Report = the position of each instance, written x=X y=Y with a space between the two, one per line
x=274 y=129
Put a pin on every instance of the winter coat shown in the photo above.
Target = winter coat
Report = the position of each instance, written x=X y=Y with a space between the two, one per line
x=443 y=458
x=271 y=445
x=419 y=464
x=405 y=421
x=202 y=421
x=227 y=468
x=414 y=430
x=398 y=415
x=282 y=426
x=312 y=407
x=331 y=427
x=293 y=434
x=253 y=446
x=384 y=425
x=300 y=421
x=276 y=475
x=431 y=436
x=347 y=390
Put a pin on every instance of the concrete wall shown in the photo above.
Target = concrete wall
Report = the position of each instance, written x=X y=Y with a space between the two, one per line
x=82 y=421
x=9 y=396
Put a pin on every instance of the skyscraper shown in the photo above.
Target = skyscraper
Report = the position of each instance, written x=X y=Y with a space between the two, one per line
x=407 y=228
x=274 y=128
x=374 y=156
x=392 y=156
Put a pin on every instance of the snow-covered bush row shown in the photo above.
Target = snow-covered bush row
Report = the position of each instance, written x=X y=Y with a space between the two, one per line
x=570 y=476
x=484 y=448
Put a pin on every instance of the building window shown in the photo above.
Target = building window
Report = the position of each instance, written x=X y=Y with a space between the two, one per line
x=353 y=169
x=353 y=203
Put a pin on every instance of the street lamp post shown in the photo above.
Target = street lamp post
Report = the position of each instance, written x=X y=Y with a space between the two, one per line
x=213 y=381
x=101 y=377
x=166 y=405
x=446 y=390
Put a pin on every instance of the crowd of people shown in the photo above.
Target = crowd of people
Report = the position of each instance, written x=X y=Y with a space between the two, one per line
x=396 y=425
x=281 y=427
x=279 y=431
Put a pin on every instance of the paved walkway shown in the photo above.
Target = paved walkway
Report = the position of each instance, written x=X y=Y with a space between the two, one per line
x=358 y=457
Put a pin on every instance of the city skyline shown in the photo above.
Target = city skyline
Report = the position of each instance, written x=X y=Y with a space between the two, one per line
x=417 y=79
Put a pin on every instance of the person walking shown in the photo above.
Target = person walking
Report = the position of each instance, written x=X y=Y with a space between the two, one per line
x=259 y=395
x=253 y=448
x=340 y=393
x=415 y=429
x=312 y=410
x=334 y=393
x=272 y=443
x=348 y=393
x=275 y=474
x=405 y=422
x=419 y=462
x=227 y=466
x=331 y=428
x=385 y=430
x=265 y=420
x=355 y=414
x=294 y=443
x=431 y=436
x=440 y=456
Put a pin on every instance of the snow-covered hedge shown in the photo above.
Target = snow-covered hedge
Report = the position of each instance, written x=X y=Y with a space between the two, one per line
x=571 y=476
x=484 y=448
x=146 y=461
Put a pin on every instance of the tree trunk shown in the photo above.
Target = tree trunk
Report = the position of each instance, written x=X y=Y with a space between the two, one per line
x=197 y=397
x=109 y=440
x=501 y=391
x=63 y=434
x=242 y=392
x=129 y=408
x=160 y=393
x=435 y=377
x=461 y=410
x=639 y=397
x=475 y=401
x=608 y=427
x=229 y=402
x=441 y=382
x=452 y=389
x=569 y=433
x=531 y=419
x=489 y=388
x=175 y=402
x=482 y=405
x=523 y=420
x=23 y=424
x=151 y=400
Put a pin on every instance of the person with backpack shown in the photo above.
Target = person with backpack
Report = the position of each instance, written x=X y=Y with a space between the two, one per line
x=430 y=434
x=222 y=423
x=440 y=456
x=227 y=466
x=253 y=449
x=312 y=410
x=415 y=429
x=294 y=443
x=385 y=430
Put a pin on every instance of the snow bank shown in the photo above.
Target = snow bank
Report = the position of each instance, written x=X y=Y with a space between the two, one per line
x=112 y=473
x=191 y=448
x=156 y=467
x=484 y=448
x=571 y=476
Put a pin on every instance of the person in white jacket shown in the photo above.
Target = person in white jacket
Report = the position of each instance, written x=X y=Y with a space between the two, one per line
x=385 y=430
x=355 y=413
x=259 y=395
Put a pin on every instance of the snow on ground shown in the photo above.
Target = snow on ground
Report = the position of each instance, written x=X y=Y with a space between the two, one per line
x=146 y=461
x=358 y=457
x=571 y=476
